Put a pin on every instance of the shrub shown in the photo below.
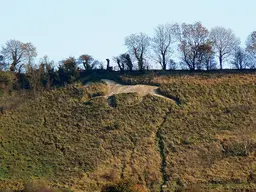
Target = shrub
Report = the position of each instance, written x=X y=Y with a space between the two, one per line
x=234 y=148
x=124 y=186
x=6 y=81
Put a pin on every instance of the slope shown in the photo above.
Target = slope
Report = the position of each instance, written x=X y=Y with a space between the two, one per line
x=74 y=139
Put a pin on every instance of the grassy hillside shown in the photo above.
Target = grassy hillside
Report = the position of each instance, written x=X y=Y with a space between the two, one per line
x=203 y=140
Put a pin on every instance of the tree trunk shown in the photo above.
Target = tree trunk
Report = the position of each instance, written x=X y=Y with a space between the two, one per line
x=193 y=66
x=140 y=63
x=220 y=60
x=20 y=68
x=13 y=65
x=120 y=65
x=108 y=63
x=84 y=65
x=164 y=63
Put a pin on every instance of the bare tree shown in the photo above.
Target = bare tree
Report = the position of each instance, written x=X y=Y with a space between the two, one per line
x=193 y=41
x=172 y=64
x=239 y=60
x=18 y=53
x=251 y=42
x=138 y=46
x=2 y=63
x=88 y=62
x=120 y=64
x=225 y=42
x=206 y=56
x=251 y=50
x=124 y=62
x=161 y=43
x=29 y=52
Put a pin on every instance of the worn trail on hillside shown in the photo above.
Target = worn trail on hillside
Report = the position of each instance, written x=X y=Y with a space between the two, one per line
x=161 y=146
x=142 y=90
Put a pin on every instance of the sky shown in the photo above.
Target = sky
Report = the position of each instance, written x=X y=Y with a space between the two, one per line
x=63 y=28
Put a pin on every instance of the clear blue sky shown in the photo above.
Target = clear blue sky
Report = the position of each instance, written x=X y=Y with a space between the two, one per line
x=63 y=28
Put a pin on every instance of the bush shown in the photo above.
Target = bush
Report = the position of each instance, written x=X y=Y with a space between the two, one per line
x=6 y=81
x=234 y=148
x=68 y=71
x=124 y=186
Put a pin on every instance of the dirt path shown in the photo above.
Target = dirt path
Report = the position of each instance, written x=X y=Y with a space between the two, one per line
x=115 y=88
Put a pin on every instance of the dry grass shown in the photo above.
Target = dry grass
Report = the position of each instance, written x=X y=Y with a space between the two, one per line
x=76 y=140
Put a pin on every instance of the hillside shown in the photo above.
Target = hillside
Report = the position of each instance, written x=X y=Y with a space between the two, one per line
x=201 y=137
